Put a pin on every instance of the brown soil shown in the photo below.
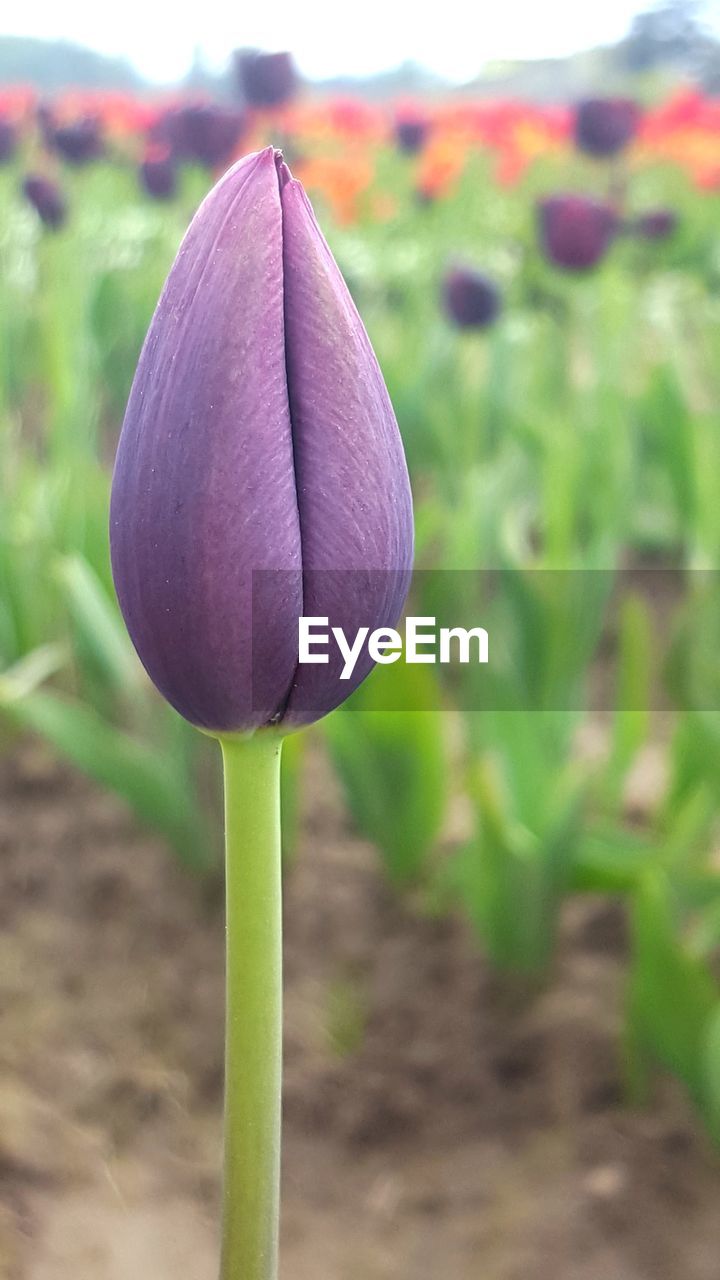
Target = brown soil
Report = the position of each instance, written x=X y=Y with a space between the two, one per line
x=438 y=1124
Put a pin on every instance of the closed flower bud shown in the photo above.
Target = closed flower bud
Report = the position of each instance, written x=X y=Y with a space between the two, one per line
x=260 y=474
x=575 y=231
x=202 y=133
x=79 y=143
x=605 y=126
x=411 y=132
x=158 y=175
x=265 y=79
x=8 y=141
x=47 y=199
x=471 y=300
x=656 y=224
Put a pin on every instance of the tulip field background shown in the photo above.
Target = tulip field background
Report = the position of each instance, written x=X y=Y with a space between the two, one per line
x=503 y=926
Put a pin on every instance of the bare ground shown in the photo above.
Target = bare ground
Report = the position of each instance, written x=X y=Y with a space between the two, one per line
x=438 y=1123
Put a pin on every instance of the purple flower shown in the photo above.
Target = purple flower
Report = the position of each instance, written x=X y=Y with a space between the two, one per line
x=604 y=126
x=46 y=198
x=471 y=300
x=260 y=474
x=655 y=224
x=79 y=143
x=202 y=133
x=265 y=79
x=575 y=231
x=411 y=133
x=8 y=141
x=158 y=175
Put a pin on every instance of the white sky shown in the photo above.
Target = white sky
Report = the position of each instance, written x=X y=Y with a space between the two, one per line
x=328 y=37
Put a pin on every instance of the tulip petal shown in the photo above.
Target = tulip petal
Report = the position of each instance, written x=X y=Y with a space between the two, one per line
x=206 y=467
x=352 y=484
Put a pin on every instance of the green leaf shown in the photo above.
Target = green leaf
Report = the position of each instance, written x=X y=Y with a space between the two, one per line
x=126 y=765
x=30 y=672
x=512 y=880
x=613 y=860
x=634 y=673
x=393 y=765
x=99 y=626
x=672 y=994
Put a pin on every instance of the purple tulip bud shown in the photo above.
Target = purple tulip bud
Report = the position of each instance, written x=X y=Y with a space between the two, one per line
x=656 y=224
x=158 y=175
x=202 y=133
x=471 y=300
x=411 y=133
x=78 y=143
x=260 y=474
x=8 y=141
x=265 y=79
x=47 y=199
x=576 y=231
x=604 y=126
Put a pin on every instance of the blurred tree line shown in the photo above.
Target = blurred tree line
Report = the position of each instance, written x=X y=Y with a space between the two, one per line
x=679 y=33
x=671 y=39
x=59 y=64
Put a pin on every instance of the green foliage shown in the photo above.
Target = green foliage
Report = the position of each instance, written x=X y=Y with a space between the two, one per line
x=515 y=872
x=673 y=1000
x=153 y=786
x=101 y=641
x=573 y=443
x=393 y=764
x=631 y=721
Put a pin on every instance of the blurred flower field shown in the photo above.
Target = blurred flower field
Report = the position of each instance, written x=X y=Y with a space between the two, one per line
x=542 y=289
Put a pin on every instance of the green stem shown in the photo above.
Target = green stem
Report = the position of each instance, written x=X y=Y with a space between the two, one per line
x=253 y=1036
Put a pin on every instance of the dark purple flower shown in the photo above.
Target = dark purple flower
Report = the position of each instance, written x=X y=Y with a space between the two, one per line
x=604 y=126
x=46 y=198
x=471 y=300
x=655 y=224
x=575 y=231
x=411 y=133
x=265 y=79
x=259 y=436
x=79 y=142
x=202 y=133
x=164 y=132
x=158 y=175
x=8 y=141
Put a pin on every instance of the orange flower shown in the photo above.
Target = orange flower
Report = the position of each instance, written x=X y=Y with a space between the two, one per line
x=511 y=167
x=341 y=180
x=707 y=178
x=685 y=131
x=442 y=163
x=337 y=120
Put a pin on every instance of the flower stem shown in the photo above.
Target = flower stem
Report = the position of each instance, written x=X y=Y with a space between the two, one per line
x=253 y=1034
